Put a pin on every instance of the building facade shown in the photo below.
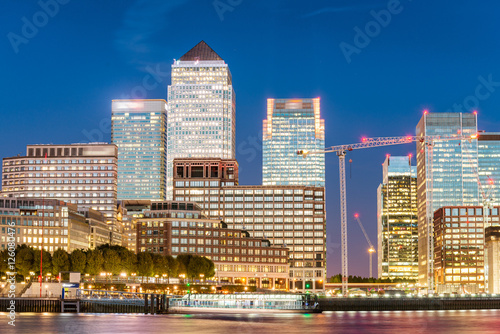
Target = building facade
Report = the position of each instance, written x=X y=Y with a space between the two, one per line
x=488 y=152
x=291 y=216
x=49 y=223
x=445 y=177
x=201 y=109
x=459 y=264
x=174 y=228
x=397 y=220
x=82 y=174
x=293 y=125
x=492 y=242
x=139 y=132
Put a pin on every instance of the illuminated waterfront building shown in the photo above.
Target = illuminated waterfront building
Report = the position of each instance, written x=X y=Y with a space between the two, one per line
x=174 y=228
x=459 y=264
x=63 y=227
x=397 y=220
x=292 y=125
x=83 y=174
x=201 y=109
x=492 y=236
x=446 y=168
x=488 y=152
x=139 y=131
x=293 y=216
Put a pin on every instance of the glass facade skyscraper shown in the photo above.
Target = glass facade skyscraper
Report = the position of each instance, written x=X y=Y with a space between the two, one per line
x=292 y=125
x=489 y=164
x=201 y=109
x=397 y=220
x=445 y=176
x=139 y=131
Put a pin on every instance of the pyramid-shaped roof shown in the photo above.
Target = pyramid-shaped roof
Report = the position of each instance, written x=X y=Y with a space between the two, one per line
x=201 y=51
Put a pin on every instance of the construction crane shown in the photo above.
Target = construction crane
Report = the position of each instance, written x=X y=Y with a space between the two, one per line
x=341 y=151
x=371 y=250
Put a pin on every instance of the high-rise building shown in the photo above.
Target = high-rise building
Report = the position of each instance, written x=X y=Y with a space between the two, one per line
x=83 y=174
x=488 y=152
x=139 y=131
x=445 y=177
x=397 y=220
x=292 y=125
x=293 y=216
x=201 y=109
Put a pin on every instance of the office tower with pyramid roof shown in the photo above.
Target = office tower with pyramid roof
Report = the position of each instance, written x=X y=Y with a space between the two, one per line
x=201 y=109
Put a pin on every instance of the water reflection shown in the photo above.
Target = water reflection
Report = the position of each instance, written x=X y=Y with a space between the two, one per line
x=463 y=321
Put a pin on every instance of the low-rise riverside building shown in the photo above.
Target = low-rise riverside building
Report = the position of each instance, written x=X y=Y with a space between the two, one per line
x=173 y=228
x=50 y=223
x=459 y=252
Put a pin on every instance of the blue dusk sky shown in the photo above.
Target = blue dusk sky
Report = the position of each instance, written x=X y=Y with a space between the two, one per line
x=375 y=64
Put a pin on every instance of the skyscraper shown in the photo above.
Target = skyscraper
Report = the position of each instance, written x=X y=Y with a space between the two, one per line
x=397 y=220
x=488 y=152
x=292 y=125
x=445 y=177
x=201 y=109
x=139 y=131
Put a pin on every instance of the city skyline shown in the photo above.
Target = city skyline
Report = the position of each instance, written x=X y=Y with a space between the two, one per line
x=356 y=100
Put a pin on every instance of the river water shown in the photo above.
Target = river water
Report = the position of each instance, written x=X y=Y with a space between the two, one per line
x=402 y=322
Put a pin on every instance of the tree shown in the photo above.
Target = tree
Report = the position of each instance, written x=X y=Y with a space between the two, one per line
x=24 y=261
x=129 y=261
x=112 y=261
x=196 y=267
x=78 y=260
x=160 y=264
x=4 y=257
x=145 y=264
x=95 y=261
x=172 y=267
x=183 y=263
x=60 y=261
x=208 y=268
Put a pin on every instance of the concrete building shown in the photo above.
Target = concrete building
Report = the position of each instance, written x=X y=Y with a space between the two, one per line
x=173 y=228
x=51 y=223
x=135 y=210
x=99 y=233
x=201 y=109
x=397 y=220
x=459 y=264
x=492 y=237
x=445 y=177
x=291 y=216
x=139 y=132
x=82 y=174
x=292 y=125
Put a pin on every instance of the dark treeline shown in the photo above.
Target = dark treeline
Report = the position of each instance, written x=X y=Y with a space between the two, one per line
x=109 y=259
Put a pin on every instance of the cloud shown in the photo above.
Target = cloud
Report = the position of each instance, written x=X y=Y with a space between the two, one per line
x=141 y=22
x=342 y=8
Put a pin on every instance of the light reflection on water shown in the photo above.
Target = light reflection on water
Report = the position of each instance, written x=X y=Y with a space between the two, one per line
x=401 y=322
